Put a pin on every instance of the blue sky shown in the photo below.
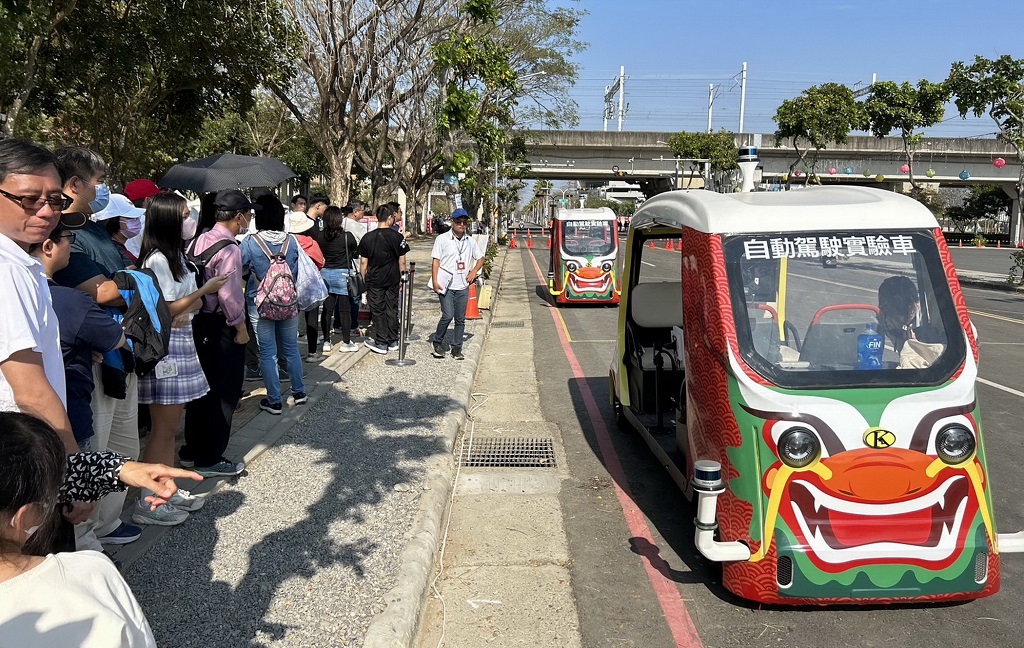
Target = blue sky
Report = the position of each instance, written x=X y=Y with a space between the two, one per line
x=672 y=50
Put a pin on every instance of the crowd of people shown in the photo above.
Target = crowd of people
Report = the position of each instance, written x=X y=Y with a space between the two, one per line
x=132 y=315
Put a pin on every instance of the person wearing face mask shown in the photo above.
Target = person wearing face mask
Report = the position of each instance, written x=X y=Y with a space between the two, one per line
x=220 y=337
x=123 y=222
x=177 y=379
x=92 y=263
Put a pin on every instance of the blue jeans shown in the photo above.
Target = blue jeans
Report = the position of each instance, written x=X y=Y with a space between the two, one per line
x=453 y=306
x=268 y=332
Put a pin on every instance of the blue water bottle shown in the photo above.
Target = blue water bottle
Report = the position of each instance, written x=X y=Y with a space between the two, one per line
x=869 y=349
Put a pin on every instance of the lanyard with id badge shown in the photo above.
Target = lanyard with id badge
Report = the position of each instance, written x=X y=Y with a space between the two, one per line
x=166 y=368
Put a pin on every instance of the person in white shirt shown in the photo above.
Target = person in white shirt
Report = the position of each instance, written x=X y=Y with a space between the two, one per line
x=53 y=600
x=177 y=379
x=457 y=261
x=31 y=365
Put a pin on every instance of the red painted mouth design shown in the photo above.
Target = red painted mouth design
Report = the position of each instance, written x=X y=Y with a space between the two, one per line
x=601 y=284
x=842 y=533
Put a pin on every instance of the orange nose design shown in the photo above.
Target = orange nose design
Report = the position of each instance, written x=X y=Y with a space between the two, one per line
x=590 y=273
x=880 y=475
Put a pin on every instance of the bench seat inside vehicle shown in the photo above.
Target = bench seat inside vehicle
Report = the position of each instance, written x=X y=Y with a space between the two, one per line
x=654 y=309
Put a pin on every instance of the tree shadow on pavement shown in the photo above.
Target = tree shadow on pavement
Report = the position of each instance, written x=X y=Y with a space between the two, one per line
x=301 y=550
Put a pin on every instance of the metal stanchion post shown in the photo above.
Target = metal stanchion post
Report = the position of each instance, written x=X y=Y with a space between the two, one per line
x=409 y=337
x=405 y=304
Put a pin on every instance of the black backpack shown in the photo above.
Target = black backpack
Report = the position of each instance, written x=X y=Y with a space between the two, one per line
x=198 y=263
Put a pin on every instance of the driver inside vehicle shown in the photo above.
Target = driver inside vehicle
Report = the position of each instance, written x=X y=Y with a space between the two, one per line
x=899 y=322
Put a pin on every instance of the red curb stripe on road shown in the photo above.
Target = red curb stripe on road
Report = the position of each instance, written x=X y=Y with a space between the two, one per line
x=684 y=632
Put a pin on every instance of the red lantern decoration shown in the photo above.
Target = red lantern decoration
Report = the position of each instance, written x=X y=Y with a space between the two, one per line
x=832 y=171
x=798 y=173
x=905 y=168
x=999 y=163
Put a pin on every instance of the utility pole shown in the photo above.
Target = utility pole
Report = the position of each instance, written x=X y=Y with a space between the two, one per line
x=711 y=102
x=619 y=85
x=743 y=93
x=622 y=94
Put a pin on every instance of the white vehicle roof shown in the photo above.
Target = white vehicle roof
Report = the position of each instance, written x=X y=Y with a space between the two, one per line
x=596 y=213
x=812 y=208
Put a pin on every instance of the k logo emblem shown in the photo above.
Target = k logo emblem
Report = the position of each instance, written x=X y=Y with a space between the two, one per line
x=878 y=438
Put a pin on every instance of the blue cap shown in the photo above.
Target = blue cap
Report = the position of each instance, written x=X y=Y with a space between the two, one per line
x=460 y=213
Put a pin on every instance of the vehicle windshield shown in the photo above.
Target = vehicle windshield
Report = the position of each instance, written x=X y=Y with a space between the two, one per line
x=588 y=237
x=844 y=308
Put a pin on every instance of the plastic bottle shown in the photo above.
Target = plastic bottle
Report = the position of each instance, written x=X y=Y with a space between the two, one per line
x=869 y=349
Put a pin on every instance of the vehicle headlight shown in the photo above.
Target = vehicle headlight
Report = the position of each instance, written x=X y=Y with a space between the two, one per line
x=572 y=266
x=607 y=266
x=955 y=444
x=799 y=447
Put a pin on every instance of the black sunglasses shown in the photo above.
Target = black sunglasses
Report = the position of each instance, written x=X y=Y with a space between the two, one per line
x=33 y=203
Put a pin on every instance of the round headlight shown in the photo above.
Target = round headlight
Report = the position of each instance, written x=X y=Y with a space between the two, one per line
x=607 y=266
x=572 y=266
x=799 y=447
x=955 y=444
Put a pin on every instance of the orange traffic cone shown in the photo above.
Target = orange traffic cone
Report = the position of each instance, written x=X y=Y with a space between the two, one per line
x=999 y=245
x=512 y=243
x=668 y=245
x=472 y=306
x=652 y=245
x=679 y=244
x=529 y=239
x=961 y=243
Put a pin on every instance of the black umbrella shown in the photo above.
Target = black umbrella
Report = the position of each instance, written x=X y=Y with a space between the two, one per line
x=226 y=171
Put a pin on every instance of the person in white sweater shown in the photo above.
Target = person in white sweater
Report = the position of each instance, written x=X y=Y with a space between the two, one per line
x=63 y=599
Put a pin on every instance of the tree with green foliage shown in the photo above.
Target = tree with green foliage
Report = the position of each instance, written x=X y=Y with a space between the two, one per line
x=26 y=28
x=905 y=108
x=820 y=116
x=997 y=88
x=719 y=149
x=139 y=95
x=984 y=201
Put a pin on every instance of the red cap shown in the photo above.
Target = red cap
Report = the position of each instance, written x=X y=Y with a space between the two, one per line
x=140 y=189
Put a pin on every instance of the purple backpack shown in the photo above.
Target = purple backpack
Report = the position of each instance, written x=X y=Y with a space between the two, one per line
x=276 y=296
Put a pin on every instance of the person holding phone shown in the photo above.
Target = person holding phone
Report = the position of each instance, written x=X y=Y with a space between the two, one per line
x=177 y=379
x=220 y=338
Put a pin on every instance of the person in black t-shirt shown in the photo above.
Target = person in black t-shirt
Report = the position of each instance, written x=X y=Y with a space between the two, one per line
x=383 y=253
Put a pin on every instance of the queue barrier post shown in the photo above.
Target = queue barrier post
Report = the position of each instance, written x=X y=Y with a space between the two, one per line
x=404 y=319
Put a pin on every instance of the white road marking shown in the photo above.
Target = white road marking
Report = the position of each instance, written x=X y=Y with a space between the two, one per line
x=1008 y=390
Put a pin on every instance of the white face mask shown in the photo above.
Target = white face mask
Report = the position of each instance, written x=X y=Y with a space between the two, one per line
x=188 y=228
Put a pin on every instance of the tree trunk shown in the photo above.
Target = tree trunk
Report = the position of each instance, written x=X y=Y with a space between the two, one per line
x=341 y=174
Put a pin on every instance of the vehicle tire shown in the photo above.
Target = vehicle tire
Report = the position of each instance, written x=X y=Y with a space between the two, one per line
x=621 y=421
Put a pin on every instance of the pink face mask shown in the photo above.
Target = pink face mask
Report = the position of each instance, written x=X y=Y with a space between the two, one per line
x=188 y=228
x=131 y=227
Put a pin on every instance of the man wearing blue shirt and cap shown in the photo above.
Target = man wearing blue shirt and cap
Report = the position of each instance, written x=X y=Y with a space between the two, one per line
x=457 y=261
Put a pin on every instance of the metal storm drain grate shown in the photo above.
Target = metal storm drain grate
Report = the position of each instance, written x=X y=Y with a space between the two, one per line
x=509 y=324
x=511 y=452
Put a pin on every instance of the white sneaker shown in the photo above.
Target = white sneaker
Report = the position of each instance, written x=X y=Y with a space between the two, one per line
x=349 y=348
x=164 y=515
x=327 y=347
x=186 y=501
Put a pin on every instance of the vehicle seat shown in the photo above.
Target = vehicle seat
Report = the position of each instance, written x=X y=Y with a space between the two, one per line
x=654 y=309
x=831 y=344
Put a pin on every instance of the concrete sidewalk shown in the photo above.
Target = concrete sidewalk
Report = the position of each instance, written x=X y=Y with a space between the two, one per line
x=329 y=537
